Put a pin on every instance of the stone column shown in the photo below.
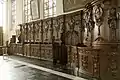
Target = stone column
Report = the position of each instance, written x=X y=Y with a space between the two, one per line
x=5 y=22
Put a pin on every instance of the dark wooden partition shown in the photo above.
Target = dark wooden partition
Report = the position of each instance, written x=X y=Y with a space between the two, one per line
x=85 y=40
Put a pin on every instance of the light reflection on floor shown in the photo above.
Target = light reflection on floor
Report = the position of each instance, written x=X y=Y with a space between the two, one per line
x=5 y=70
x=11 y=70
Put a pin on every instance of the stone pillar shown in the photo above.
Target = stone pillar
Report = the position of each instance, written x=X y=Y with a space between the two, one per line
x=5 y=22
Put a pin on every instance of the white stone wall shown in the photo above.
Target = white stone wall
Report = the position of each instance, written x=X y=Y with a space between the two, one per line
x=10 y=29
x=5 y=22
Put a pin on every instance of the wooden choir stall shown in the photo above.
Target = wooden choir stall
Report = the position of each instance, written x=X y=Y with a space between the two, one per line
x=86 y=40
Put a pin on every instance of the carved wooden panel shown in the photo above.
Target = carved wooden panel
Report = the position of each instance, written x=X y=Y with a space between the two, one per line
x=27 y=50
x=38 y=31
x=113 y=64
x=35 y=50
x=13 y=48
x=24 y=33
x=42 y=51
x=69 y=56
x=98 y=13
x=46 y=51
x=47 y=30
x=88 y=23
x=89 y=61
x=74 y=58
x=19 y=48
x=58 y=27
x=32 y=32
x=73 y=25
x=112 y=22
x=29 y=32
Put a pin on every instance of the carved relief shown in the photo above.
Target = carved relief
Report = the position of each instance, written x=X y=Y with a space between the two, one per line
x=57 y=27
x=72 y=35
x=36 y=32
x=98 y=15
x=32 y=31
x=24 y=32
x=84 y=60
x=39 y=30
x=113 y=64
x=96 y=62
x=73 y=25
x=47 y=30
x=88 y=22
x=79 y=24
x=112 y=21
x=29 y=32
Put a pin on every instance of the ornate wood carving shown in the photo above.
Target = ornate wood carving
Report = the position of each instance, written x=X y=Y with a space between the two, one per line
x=47 y=30
x=39 y=31
x=36 y=28
x=58 y=27
x=26 y=31
x=73 y=25
x=88 y=22
x=84 y=60
x=96 y=62
x=20 y=36
x=98 y=14
x=113 y=63
x=32 y=32
x=112 y=21
x=29 y=32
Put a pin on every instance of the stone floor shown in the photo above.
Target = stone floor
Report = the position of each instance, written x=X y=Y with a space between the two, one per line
x=22 y=68
x=49 y=65
x=25 y=68
x=10 y=70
